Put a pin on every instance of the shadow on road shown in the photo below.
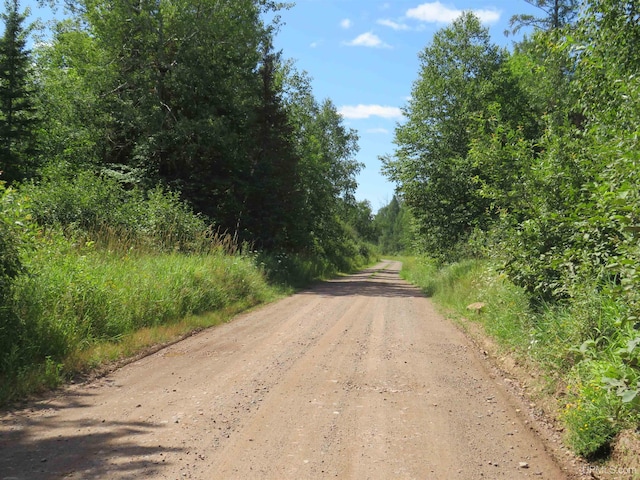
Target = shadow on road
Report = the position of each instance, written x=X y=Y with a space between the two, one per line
x=36 y=444
x=372 y=282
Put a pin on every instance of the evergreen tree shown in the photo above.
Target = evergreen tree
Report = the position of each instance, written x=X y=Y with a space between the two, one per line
x=273 y=205
x=558 y=14
x=17 y=112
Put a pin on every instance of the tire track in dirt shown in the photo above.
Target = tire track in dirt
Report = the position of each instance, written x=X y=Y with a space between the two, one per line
x=355 y=378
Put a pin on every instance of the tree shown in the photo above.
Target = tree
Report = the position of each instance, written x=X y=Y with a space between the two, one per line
x=457 y=81
x=359 y=216
x=558 y=14
x=195 y=98
x=17 y=112
x=577 y=229
x=328 y=167
x=608 y=60
x=393 y=226
x=180 y=98
x=328 y=176
x=274 y=198
x=73 y=73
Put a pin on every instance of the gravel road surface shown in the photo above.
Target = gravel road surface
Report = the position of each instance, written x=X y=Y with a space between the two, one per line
x=356 y=378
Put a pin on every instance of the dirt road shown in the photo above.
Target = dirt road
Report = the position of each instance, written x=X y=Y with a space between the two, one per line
x=356 y=378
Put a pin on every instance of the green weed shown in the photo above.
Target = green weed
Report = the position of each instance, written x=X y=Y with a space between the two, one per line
x=589 y=416
x=585 y=346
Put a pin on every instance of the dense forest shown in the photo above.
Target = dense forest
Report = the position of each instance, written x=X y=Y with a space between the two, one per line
x=151 y=95
x=138 y=140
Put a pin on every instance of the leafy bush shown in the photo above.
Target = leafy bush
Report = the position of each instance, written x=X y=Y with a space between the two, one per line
x=588 y=416
x=293 y=270
x=10 y=264
x=14 y=237
x=341 y=249
x=81 y=200
x=95 y=208
x=10 y=268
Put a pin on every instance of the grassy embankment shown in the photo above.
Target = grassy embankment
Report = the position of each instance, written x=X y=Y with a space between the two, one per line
x=571 y=349
x=87 y=307
x=93 y=274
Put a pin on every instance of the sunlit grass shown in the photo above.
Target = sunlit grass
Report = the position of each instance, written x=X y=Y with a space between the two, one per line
x=83 y=307
x=147 y=339
x=80 y=308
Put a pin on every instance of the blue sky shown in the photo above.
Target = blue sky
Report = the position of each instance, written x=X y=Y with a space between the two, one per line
x=363 y=55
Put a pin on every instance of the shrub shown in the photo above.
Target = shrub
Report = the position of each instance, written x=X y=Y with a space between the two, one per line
x=95 y=208
x=590 y=430
x=11 y=267
x=10 y=264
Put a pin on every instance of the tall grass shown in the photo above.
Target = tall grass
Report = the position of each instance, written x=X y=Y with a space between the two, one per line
x=103 y=295
x=75 y=298
x=105 y=265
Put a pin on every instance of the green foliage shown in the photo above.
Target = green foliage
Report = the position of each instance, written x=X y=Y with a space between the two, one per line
x=295 y=270
x=73 y=299
x=393 y=226
x=152 y=93
x=101 y=209
x=10 y=268
x=585 y=348
x=17 y=112
x=274 y=201
x=177 y=102
x=359 y=216
x=102 y=262
x=327 y=167
x=462 y=74
x=70 y=299
x=586 y=414
x=421 y=272
x=10 y=240
x=73 y=71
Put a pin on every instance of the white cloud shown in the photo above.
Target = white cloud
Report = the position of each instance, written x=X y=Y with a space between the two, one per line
x=382 y=131
x=346 y=23
x=433 y=12
x=392 y=24
x=314 y=44
x=368 y=39
x=488 y=16
x=436 y=12
x=366 y=111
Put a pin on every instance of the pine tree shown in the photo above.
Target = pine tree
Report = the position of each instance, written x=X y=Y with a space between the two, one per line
x=274 y=198
x=17 y=111
x=557 y=14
